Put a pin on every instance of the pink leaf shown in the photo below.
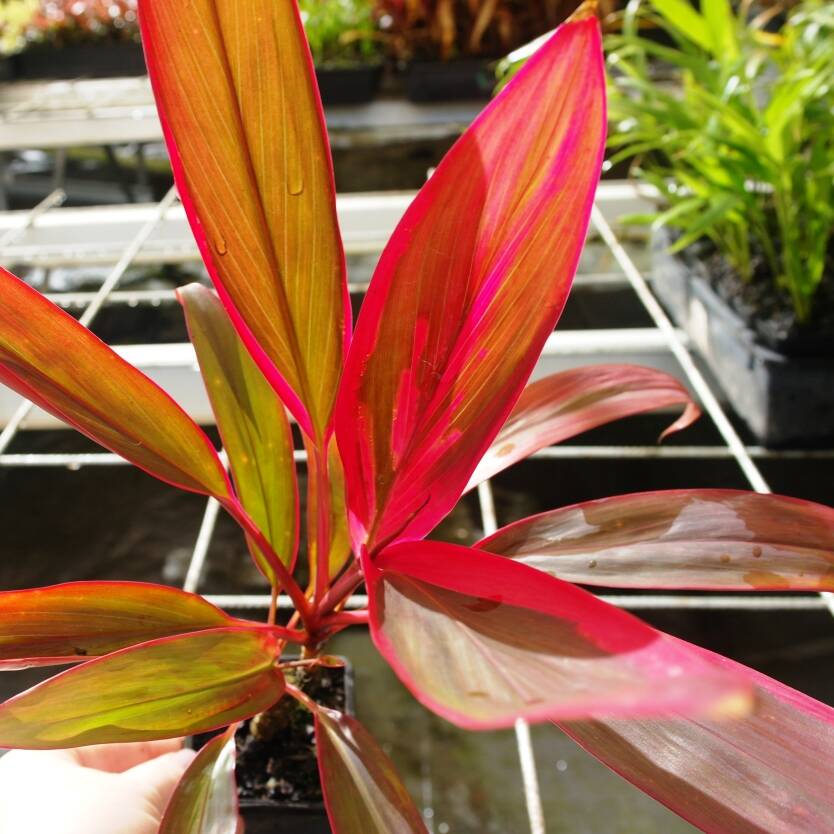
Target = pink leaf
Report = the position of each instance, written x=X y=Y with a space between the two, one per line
x=706 y=539
x=770 y=771
x=468 y=290
x=483 y=641
x=563 y=405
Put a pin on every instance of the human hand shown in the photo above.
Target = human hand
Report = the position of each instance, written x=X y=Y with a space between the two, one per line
x=106 y=789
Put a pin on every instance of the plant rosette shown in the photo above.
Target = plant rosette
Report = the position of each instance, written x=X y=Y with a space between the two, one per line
x=423 y=400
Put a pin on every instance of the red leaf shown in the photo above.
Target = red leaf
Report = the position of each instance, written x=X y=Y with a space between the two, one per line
x=563 y=405
x=706 y=539
x=362 y=790
x=258 y=185
x=484 y=641
x=80 y=620
x=468 y=290
x=52 y=360
x=770 y=771
x=205 y=800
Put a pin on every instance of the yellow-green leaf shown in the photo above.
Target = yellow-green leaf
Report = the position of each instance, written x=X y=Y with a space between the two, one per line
x=163 y=689
x=253 y=425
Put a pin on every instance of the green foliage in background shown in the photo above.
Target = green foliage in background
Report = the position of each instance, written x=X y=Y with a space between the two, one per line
x=341 y=32
x=14 y=17
x=738 y=136
x=63 y=22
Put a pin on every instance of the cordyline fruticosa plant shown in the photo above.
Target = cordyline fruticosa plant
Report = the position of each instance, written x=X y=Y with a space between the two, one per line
x=400 y=416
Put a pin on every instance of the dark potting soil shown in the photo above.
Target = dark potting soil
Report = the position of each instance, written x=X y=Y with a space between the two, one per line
x=767 y=310
x=276 y=751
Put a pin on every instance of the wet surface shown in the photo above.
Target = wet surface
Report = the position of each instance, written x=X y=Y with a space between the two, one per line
x=470 y=783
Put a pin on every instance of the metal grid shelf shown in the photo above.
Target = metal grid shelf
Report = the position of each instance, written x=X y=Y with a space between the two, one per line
x=125 y=236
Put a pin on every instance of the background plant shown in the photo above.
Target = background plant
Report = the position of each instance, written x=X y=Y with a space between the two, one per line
x=62 y=22
x=738 y=137
x=459 y=28
x=400 y=416
x=341 y=32
x=14 y=16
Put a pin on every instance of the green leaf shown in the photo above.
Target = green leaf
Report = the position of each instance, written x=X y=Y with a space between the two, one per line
x=695 y=231
x=721 y=21
x=684 y=18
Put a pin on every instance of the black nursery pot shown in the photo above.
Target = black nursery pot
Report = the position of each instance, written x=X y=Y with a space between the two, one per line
x=449 y=80
x=784 y=390
x=277 y=773
x=90 y=60
x=349 y=85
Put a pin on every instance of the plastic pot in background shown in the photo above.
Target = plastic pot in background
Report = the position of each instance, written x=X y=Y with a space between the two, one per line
x=349 y=85
x=783 y=391
x=90 y=60
x=449 y=80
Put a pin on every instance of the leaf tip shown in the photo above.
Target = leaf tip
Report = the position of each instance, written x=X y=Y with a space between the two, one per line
x=583 y=11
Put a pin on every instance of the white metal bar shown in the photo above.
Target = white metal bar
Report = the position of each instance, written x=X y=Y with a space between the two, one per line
x=716 y=602
x=81 y=459
x=680 y=452
x=130 y=252
x=201 y=547
x=630 y=602
x=262 y=601
x=679 y=350
x=54 y=198
x=155 y=298
x=96 y=235
x=524 y=744
x=530 y=777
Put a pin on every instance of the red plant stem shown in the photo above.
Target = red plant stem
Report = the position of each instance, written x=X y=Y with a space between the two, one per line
x=347 y=618
x=301 y=697
x=344 y=586
x=273 y=606
x=285 y=633
x=322 y=521
x=285 y=579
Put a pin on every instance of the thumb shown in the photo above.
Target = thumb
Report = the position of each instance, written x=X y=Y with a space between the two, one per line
x=156 y=779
